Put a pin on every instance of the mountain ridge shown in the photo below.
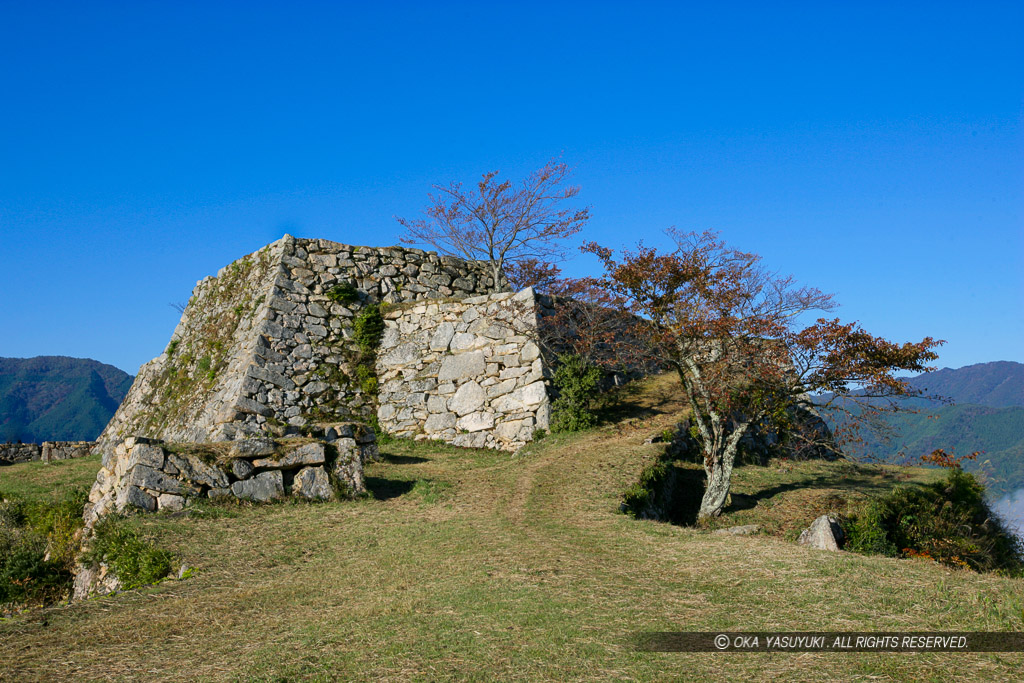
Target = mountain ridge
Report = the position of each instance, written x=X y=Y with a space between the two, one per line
x=986 y=415
x=58 y=398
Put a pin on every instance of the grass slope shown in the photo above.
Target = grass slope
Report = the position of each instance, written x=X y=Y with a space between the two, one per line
x=472 y=565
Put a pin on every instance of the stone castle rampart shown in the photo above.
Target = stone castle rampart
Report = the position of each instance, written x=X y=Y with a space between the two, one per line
x=467 y=372
x=272 y=349
x=267 y=344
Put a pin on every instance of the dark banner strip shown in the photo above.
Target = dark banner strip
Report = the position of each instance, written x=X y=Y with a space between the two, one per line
x=668 y=641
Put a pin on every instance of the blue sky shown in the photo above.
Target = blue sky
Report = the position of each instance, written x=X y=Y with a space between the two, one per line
x=870 y=150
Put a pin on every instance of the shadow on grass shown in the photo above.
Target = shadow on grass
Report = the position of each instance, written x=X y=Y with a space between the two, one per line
x=622 y=404
x=403 y=459
x=840 y=482
x=386 y=489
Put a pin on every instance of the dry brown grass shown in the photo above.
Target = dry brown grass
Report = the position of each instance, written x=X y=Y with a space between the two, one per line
x=521 y=569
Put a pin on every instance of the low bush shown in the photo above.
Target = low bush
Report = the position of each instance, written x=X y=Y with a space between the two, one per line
x=368 y=328
x=576 y=380
x=343 y=294
x=646 y=492
x=38 y=543
x=133 y=559
x=948 y=521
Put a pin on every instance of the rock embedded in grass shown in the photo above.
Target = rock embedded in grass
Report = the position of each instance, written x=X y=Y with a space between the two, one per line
x=824 y=534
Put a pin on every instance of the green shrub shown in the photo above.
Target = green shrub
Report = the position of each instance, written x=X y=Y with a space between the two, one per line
x=866 y=532
x=367 y=378
x=343 y=294
x=645 y=492
x=59 y=523
x=576 y=381
x=25 y=573
x=134 y=560
x=369 y=328
x=28 y=531
x=948 y=521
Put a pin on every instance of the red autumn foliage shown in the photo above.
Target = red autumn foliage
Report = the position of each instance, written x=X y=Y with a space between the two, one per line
x=941 y=458
x=731 y=331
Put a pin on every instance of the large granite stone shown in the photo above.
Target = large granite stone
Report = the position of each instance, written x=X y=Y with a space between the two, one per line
x=468 y=398
x=265 y=486
x=312 y=483
x=462 y=366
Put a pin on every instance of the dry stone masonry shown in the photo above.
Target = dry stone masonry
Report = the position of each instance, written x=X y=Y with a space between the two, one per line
x=466 y=372
x=66 y=450
x=268 y=343
x=152 y=475
x=48 y=451
x=269 y=350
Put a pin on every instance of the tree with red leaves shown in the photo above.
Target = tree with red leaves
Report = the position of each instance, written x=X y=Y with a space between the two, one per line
x=499 y=222
x=731 y=331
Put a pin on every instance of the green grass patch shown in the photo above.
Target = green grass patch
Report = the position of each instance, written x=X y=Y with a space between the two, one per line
x=524 y=569
x=134 y=559
x=431 y=491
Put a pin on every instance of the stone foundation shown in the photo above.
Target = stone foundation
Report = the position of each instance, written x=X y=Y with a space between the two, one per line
x=148 y=474
x=65 y=450
x=11 y=453
x=268 y=343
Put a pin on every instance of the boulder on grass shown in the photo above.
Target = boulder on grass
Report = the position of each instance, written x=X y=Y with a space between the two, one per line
x=824 y=534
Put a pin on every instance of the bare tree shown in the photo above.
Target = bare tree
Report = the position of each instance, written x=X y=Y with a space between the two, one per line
x=499 y=222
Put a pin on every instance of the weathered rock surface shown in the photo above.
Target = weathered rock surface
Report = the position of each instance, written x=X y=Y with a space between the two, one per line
x=264 y=487
x=467 y=372
x=306 y=454
x=824 y=534
x=312 y=483
x=94 y=581
x=744 y=530
x=148 y=475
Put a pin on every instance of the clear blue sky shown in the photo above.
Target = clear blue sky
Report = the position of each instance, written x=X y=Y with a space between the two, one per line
x=870 y=150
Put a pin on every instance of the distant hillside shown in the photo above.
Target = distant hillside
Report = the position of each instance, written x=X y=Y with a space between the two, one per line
x=988 y=415
x=56 y=398
x=996 y=385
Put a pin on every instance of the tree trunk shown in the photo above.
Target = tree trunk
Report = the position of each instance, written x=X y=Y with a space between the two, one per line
x=718 y=468
x=716 y=489
x=496 y=274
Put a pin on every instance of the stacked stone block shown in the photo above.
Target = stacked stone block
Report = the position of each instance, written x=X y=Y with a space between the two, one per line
x=268 y=345
x=65 y=450
x=48 y=451
x=150 y=475
x=466 y=372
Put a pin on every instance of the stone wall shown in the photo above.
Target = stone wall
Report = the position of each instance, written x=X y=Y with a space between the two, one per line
x=65 y=450
x=267 y=345
x=150 y=475
x=467 y=372
x=48 y=451
x=11 y=453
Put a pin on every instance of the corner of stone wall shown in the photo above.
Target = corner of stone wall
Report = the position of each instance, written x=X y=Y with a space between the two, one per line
x=468 y=372
x=151 y=475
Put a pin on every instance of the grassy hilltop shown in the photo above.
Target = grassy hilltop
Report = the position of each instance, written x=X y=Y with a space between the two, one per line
x=475 y=565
